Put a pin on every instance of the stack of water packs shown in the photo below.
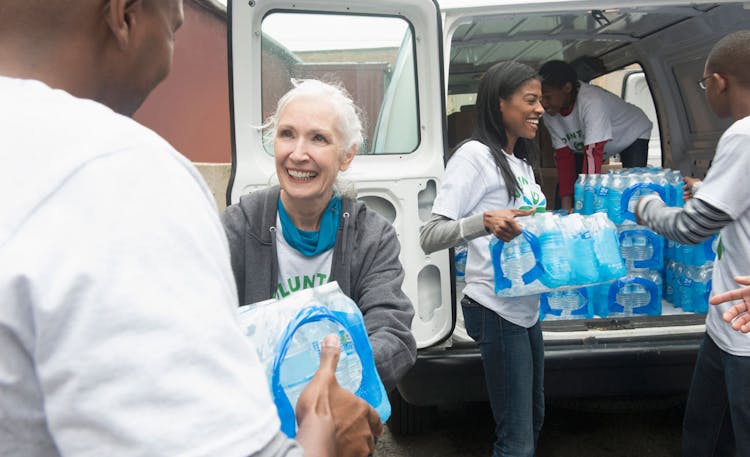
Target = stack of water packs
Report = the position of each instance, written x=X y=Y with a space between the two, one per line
x=557 y=252
x=287 y=335
x=657 y=268
x=687 y=276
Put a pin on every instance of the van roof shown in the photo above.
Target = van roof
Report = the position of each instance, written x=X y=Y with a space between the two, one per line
x=578 y=35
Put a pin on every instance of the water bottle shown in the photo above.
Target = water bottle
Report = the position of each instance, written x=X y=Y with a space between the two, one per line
x=287 y=336
x=578 y=193
x=670 y=249
x=583 y=260
x=660 y=178
x=702 y=287
x=303 y=358
x=606 y=247
x=588 y=194
x=677 y=278
x=631 y=296
x=515 y=259
x=600 y=194
x=617 y=185
x=675 y=182
x=641 y=248
x=555 y=253
x=687 y=287
x=628 y=248
x=638 y=294
x=685 y=253
x=599 y=298
x=669 y=280
x=564 y=304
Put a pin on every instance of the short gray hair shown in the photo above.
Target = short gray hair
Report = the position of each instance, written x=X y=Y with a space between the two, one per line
x=348 y=114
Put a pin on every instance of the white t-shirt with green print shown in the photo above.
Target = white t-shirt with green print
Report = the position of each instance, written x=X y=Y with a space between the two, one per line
x=296 y=271
x=725 y=188
x=473 y=184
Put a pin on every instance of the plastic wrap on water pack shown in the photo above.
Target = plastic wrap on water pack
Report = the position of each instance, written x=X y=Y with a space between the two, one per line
x=556 y=252
x=287 y=335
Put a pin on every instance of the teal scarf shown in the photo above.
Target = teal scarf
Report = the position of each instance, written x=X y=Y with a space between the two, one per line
x=311 y=244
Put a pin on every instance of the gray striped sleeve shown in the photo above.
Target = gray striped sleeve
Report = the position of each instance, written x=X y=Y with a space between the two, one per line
x=691 y=224
x=441 y=232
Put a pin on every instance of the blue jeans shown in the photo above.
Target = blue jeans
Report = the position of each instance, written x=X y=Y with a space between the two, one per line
x=718 y=405
x=513 y=360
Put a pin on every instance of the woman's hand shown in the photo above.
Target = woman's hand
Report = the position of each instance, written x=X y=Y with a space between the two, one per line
x=502 y=222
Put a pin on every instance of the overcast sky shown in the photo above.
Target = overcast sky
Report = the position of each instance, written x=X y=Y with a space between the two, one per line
x=304 y=32
x=301 y=32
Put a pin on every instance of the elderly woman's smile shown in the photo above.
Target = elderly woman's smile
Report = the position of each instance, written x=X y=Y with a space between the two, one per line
x=309 y=152
x=300 y=174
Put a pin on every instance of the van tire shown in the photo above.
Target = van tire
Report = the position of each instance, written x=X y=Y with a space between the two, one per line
x=408 y=419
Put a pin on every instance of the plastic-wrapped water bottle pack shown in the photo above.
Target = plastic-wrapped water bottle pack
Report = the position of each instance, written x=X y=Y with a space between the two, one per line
x=681 y=273
x=617 y=192
x=688 y=274
x=556 y=252
x=287 y=335
x=638 y=293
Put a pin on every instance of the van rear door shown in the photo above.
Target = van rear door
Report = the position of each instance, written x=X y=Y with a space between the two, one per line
x=388 y=55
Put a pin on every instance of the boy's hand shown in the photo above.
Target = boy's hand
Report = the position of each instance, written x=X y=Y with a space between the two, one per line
x=687 y=189
x=737 y=315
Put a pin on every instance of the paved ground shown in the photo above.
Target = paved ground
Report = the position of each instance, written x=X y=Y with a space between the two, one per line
x=466 y=431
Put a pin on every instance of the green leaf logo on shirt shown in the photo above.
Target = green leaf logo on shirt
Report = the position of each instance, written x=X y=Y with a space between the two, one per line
x=531 y=196
x=719 y=248
x=574 y=140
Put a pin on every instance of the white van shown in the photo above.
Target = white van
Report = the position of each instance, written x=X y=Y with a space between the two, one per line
x=413 y=66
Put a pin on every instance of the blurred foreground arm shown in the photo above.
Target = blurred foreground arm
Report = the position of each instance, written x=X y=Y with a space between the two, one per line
x=332 y=420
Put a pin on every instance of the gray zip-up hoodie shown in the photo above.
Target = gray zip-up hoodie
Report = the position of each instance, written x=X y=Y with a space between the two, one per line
x=365 y=264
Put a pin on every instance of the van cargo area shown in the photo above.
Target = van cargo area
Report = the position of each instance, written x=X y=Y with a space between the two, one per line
x=416 y=83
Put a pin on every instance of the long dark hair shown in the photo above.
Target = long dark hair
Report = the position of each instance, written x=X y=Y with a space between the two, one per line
x=501 y=81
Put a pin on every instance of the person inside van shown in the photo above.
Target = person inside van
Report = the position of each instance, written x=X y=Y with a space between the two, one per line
x=118 y=325
x=310 y=229
x=718 y=409
x=487 y=180
x=586 y=124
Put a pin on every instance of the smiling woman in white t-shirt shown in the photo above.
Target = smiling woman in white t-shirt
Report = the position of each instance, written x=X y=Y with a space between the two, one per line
x=488 y=182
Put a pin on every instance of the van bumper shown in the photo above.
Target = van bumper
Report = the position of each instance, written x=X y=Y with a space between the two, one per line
x=584 y=368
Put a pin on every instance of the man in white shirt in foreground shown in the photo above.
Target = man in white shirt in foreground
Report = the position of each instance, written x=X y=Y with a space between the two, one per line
x=118 y=332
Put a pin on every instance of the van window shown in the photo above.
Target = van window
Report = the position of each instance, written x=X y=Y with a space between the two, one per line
x=371 y=56
x=630 y=84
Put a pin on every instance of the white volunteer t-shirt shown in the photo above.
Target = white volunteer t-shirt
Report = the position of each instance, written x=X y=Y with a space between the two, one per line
x=473 y=184
x=118 y=320
x=725 y=188
x=296 y=271
x=598 y=115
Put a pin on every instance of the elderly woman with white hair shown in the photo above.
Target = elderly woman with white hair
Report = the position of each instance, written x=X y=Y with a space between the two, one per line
x=306 y=231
